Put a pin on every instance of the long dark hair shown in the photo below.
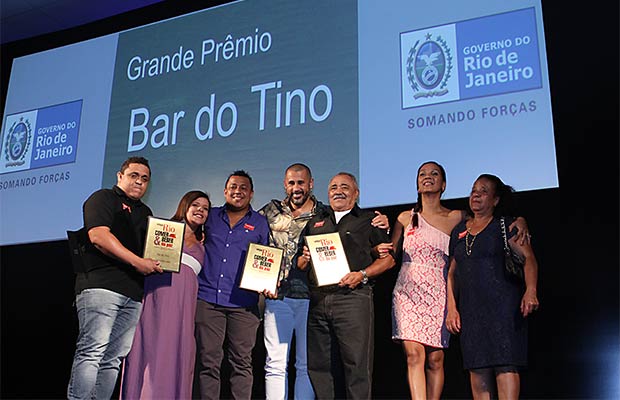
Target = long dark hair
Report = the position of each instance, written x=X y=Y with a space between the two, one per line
x=506 y=206
x=184 y=204
x=418 y=205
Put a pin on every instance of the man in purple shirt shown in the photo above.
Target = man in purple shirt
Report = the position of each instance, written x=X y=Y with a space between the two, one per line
x=225 y=311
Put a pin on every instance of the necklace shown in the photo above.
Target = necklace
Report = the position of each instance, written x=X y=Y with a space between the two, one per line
x=469 y=245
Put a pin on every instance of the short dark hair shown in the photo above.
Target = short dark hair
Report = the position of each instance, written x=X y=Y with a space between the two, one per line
x=299 y=167
x=242 y=173
x=135 y=160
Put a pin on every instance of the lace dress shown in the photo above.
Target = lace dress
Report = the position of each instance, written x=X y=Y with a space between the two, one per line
x=419 y=298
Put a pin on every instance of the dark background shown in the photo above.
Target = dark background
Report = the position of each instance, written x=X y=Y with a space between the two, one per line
x=574 y=337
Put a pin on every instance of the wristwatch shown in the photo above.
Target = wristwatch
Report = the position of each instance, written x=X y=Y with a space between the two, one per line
x=364 y=276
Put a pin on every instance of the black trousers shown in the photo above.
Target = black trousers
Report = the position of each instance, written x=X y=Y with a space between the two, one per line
x=342 y=319
x=214 y=324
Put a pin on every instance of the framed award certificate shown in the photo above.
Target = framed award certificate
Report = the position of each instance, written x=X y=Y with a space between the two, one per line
x=262 y=268
x=329 y=261
x=164 y=243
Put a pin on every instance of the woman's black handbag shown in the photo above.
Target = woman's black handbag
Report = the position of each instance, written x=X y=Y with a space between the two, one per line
x=513 y=262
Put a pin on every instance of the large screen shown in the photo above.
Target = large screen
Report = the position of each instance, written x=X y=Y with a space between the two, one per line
x=372 y=88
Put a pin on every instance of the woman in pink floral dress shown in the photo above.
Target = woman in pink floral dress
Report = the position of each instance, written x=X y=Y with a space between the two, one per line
x=419 y=302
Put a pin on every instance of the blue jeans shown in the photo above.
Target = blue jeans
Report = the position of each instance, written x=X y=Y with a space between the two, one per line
x=107 y=322
x=282 y=318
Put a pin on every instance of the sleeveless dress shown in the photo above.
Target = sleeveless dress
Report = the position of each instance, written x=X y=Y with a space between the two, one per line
x=160 y=364
x=493 y=331
x=419 y=297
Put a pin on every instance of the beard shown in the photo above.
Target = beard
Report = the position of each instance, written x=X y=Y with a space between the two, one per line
x=298 y=201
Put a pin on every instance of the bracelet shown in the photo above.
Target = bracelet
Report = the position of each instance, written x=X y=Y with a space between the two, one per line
x=364 y=276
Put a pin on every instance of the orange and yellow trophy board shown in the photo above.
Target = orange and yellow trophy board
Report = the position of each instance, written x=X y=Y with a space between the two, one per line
x=262 y=268
x=164 y=243
x=329 y=261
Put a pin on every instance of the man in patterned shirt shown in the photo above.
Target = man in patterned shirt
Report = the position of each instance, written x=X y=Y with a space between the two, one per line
x=287 y=312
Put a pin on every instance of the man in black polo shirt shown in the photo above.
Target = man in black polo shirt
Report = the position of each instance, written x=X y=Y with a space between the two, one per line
x=345 y=311
x=109 y=290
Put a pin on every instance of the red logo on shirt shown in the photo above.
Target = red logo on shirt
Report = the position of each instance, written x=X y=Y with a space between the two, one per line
x=248 y=227
x=319 y=224
x=126 y=207
x=463 y=234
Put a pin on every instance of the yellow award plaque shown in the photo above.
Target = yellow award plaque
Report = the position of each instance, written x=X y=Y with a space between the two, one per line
x=329 y=262
x=164 y=243
x=262 y=268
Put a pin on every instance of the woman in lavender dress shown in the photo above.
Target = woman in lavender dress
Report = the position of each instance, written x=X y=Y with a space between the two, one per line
x=161 y=361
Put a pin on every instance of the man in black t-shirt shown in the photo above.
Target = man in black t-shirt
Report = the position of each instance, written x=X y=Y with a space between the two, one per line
x=342 y=315
x=109 y=290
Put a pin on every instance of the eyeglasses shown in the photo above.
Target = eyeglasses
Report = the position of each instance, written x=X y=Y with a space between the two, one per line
x=135 y=176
